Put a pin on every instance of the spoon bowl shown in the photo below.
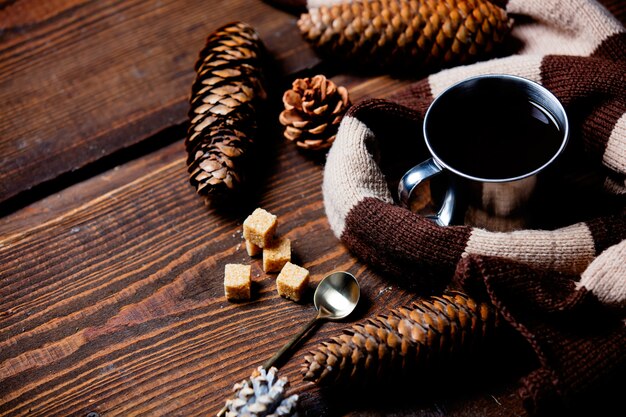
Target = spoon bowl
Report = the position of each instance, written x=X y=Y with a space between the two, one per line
x=336 y=296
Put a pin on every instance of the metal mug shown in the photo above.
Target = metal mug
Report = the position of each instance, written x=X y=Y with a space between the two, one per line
x=496 y=202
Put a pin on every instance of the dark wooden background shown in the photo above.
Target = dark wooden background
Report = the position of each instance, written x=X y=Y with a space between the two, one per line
x=111 y=268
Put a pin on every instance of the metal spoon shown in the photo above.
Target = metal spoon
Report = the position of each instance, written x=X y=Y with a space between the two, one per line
x=335 y=298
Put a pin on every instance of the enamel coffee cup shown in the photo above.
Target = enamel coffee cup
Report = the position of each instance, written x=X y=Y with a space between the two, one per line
x=491 y=137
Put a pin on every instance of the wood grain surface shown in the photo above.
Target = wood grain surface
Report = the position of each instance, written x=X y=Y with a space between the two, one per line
x=111 y=277
x=81 y=79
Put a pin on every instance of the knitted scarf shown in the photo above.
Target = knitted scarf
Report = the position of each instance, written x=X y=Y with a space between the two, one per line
x=540 y=280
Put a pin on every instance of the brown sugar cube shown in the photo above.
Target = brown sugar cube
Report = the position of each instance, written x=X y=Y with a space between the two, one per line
x=252 y=249
x=276 y=255
x=237 y=282
x=292 y=281
x=259 y=228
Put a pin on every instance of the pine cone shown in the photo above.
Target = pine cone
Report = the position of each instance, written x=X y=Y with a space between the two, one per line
x=261 y=395
x=403 y=342
x=406 y=34
x=313 y=109
x=222 y=113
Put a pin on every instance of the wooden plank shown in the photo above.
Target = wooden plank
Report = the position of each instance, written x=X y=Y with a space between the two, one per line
x=362 y=87
x=76 y=195
x=81 y=79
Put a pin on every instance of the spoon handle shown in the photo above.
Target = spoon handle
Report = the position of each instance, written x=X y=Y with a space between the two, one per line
x=291 y=343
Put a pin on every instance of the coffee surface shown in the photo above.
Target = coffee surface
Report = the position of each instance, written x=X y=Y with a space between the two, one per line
x=495 y=135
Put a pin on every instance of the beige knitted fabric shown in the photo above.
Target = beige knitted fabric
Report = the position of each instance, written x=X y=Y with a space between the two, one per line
x=568 y=249
x=358 y=178
x=571 y=27
x=606 y=276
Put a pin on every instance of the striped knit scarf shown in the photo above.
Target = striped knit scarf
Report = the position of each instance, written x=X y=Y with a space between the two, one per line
x=577 y=49
x=587 y=75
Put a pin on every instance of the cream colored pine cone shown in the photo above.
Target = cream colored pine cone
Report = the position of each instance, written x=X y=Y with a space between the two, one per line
x=263 y=394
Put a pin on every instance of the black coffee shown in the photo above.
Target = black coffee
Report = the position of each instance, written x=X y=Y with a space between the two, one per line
x=491 y=133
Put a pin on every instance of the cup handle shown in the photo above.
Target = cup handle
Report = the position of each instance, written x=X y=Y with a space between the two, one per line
x=414 y=177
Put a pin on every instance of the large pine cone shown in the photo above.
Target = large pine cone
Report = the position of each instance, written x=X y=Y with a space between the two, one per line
x=222 y=114
x=403 y=342
x=262 y=395
x=314 y=108
x=406 y=34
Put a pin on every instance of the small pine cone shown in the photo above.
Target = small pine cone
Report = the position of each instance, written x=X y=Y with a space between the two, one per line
x=222 y=114
x=405 y=341
x=314 y=108
x=263 y=394
x=406 y=34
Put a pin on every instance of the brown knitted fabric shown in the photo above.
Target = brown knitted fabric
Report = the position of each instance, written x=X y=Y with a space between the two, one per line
x=577 y=341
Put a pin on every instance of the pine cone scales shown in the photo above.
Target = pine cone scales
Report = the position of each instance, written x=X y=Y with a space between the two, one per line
x=405 y=340
x=222 y=108
x=314 y=108
x=406 y=33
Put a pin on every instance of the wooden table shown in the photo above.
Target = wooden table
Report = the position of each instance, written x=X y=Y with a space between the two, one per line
x=111 y=267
